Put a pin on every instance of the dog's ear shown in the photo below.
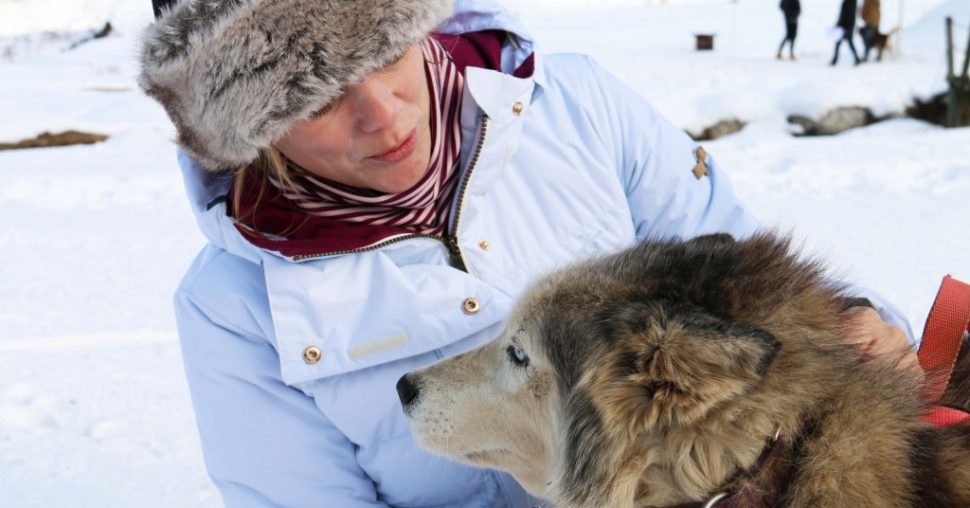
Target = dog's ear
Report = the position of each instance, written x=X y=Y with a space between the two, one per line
x=674 y=367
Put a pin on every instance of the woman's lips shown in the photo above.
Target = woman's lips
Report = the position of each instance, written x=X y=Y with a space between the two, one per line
x=399 y=152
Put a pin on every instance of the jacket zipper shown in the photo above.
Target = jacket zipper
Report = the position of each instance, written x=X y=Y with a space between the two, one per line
x=450 y=240
x=378 y=245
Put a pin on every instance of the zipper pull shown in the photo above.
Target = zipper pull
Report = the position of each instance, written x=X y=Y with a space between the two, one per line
x=454 y=252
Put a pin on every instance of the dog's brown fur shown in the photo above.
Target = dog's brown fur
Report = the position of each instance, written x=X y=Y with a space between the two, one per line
x=655 y=376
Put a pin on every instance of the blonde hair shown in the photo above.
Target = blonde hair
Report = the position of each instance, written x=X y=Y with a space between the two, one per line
x=269 y=164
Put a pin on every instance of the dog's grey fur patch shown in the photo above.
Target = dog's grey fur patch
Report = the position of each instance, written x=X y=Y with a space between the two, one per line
x=233 y=75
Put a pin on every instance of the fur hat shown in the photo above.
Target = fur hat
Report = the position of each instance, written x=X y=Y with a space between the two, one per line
x=233 y=75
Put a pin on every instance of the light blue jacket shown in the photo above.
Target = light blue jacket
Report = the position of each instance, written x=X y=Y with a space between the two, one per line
x=586 y=167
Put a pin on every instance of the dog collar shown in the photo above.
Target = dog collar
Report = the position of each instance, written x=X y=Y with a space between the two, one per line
x=753 y=492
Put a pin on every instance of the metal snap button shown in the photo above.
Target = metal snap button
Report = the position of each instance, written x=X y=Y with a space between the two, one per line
x=470 y=306
x=517 y=108
x=483 y=244
x=312 y=355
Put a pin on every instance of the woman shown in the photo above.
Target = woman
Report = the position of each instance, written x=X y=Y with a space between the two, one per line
x=791 y=9
x=374 y=200
x=846 y=23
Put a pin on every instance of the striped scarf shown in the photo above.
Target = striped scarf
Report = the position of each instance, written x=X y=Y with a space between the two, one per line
x=423 y=208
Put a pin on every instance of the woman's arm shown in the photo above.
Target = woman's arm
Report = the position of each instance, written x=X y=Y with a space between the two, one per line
x=672 y=193
x=667 y=199
x=265 y=443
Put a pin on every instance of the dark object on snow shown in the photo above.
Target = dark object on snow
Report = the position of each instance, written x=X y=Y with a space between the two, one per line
x=835 y=121
x=720 y=129
x=705 y=42
x=932 y=110
x=105 y=30
x=47 y=139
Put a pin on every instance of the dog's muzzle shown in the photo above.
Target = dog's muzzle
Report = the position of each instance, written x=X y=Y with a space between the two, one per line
x=407 y=391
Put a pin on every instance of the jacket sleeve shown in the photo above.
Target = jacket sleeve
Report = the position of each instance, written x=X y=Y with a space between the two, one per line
x=264 y=443
x=656 y=163
x=666 y=199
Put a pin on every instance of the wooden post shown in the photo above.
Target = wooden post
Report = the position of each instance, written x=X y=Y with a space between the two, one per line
x=966 y=57
x=952 y=95
x=958 y=96
x=949 y=48
x=898 y=43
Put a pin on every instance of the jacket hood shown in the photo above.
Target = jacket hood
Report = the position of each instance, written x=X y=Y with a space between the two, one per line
x=233 y=76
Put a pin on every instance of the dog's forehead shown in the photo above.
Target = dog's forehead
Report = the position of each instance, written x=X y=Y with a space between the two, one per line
x=556 y=318
x=550 y=300
x=585 y=299
x=658 y=272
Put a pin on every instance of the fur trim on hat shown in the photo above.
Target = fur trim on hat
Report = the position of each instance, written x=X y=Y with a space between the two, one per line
x=233 y=75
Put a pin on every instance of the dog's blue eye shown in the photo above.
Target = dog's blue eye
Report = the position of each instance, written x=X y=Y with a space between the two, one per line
x=518 y=356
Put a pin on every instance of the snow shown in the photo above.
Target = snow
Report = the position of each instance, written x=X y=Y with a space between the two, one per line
x=94 y=410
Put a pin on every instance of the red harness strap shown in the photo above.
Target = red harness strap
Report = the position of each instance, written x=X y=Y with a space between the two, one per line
x=948 y=321
x=942 y=416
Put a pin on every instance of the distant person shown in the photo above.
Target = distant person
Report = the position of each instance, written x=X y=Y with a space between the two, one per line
x=870 y=16
x=847 y=24
x=791 y=9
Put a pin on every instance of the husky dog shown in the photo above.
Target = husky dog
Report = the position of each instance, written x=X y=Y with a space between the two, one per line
x=683 y=372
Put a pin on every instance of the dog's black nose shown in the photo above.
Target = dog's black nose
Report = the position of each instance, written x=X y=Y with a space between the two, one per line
x=406 y=390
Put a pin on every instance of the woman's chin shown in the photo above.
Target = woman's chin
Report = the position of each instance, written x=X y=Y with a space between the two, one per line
x=394 y=180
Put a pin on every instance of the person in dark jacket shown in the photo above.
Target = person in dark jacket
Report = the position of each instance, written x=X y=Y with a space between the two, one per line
x=847 y=24
x=791 y=9
x=870 y=16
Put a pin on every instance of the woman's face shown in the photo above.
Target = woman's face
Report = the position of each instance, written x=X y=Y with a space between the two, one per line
x=376 y=136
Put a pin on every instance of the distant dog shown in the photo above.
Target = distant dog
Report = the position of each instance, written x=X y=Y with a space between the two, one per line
x=679 y=372
x=880 y=41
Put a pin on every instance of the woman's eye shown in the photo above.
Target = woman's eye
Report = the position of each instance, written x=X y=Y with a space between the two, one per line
x=517 y=356
x=324 y=110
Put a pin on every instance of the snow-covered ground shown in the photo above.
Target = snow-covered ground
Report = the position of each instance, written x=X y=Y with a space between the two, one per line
x=94 y=411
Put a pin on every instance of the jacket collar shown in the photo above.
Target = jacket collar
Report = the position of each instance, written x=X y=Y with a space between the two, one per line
x=480 y=15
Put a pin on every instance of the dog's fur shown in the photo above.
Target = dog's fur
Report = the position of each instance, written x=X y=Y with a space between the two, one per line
x=656 y=377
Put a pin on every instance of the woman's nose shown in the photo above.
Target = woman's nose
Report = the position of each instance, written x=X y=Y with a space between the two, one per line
x=377 y=106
